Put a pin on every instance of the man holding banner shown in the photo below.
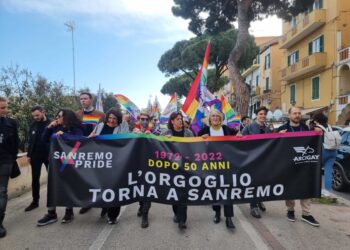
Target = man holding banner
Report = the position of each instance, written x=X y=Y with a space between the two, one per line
x=295 y=125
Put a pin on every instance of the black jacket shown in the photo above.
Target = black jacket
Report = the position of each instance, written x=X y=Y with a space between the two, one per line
x=37 y=147
x=227 y=131
x=301 y=127
x=9 y=139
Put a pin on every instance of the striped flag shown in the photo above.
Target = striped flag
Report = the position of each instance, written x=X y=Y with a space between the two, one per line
x=99 y=103
x=129 y=106
x=170 y=108
x=194 y=103
x=232 y=119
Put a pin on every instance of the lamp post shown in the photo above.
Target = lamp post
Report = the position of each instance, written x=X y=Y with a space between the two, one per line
x=71 y=26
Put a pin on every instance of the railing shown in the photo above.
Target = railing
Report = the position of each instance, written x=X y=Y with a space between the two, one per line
x=343 y=55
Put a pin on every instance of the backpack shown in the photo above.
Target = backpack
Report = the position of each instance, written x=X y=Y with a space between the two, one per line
x=331 y=138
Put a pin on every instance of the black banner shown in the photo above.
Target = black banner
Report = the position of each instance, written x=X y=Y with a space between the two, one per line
x=121 y=169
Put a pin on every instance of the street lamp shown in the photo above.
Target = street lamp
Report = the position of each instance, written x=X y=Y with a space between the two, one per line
x=71 y=26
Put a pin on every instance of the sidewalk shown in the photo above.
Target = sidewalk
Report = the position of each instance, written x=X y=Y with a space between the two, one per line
x=23 y=183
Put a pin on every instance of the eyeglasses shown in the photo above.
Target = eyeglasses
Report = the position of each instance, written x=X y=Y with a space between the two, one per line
x=144 y=119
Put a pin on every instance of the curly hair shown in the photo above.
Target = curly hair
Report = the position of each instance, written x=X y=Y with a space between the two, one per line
x=117 y=113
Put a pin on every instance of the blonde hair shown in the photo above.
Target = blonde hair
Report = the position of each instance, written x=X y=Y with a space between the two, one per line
x=214 y=111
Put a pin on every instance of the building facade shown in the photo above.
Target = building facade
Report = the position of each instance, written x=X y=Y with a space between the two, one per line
x=315 y=73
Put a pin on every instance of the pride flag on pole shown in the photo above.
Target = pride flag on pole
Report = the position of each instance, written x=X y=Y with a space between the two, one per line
x=128 y=105
x=194 y=103
x=170 y=108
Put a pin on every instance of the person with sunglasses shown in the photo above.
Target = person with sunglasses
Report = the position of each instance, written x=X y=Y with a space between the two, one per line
x=65 y=123
x=143 y=127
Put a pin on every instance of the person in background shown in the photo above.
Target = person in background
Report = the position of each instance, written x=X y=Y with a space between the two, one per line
x=9 y=142
x=294 y=124
x=176 y=128
x=257 y=127
x=245 y=120
x=143 y=127
x=38 y=152
x=328 y=154
x=90 y=117
x=216 y=128
x=111 y=125
x=65 y=123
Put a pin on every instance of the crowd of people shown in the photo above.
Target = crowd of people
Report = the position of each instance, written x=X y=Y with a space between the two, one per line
x=90 y=122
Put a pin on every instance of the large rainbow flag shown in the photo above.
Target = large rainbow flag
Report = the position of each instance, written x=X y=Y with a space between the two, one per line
x=128 y=105
x=194 y=103
x=170 y=108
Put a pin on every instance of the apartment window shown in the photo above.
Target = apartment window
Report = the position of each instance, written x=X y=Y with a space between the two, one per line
x=316 y=45
x=257 y=81
x=318 y=4
x=293 y=22
x=292 y=93
x=267 y=61
x=293 y=58
x=316 y=88
x=267 y=83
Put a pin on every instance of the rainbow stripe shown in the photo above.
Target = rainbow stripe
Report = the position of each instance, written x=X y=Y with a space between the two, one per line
x=170 y=108
x=194 y=103
x=128 y=105
x=91 y=119
x=210 y=138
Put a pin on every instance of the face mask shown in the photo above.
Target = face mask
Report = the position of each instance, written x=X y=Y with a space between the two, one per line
x=144 y=124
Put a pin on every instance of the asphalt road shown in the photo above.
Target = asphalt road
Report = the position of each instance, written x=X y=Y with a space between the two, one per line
x=89 y=231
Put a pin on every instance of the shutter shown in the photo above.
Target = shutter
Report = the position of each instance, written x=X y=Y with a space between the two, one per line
x=288 y=60
x=310 y=48
x=297 y=56
x=321 y=43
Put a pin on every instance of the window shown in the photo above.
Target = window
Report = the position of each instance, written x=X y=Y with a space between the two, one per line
x=293 y=22
x=258 y=59
x=293 y=58
x=267 y=61
x=316 y=45
x=257 y=80
x=316 y=88
x=318 y=4
x=267 y=83
x=292 y=94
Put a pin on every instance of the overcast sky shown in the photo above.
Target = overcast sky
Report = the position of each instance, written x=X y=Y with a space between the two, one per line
x=117 y=42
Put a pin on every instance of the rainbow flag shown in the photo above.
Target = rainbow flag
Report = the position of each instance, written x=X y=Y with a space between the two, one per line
x=232 y=119
x=128 y=105
x=170 y=108
x=91 y=119
x=194 y=103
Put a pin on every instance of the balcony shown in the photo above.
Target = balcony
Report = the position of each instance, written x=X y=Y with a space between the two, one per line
x=304 y=67
x=344 y=56
x=306 y=26
x=257 y=90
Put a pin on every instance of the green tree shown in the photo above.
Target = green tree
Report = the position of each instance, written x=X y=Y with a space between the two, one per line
x=181 y=84
x=25 y=91
x=215 y=16
x=187 y=55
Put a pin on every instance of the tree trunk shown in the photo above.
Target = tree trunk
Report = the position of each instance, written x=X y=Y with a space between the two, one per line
x=241 y=90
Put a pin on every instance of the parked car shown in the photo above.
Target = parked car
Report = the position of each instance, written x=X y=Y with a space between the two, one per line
x=341 y=168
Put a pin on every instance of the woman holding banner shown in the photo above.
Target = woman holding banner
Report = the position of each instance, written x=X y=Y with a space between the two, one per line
x=113 y=124
x=176 y=128
x=65 y=123
x=216 y=128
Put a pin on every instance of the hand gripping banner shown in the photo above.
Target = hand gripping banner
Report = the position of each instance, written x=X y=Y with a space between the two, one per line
x=121 y=169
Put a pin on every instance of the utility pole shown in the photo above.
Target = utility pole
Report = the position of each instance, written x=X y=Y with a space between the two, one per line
x=71 y=26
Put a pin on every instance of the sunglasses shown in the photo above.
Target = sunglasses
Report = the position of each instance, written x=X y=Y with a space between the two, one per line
x=144 y=119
